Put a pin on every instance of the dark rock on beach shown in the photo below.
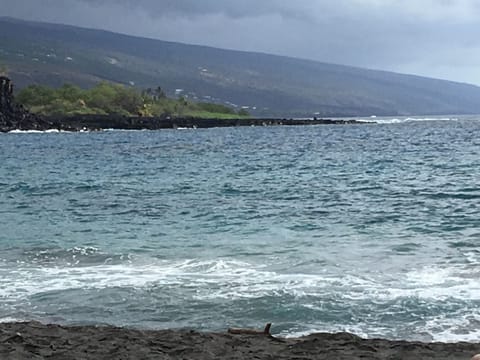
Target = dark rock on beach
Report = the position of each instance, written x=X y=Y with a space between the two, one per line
x=33 y=340
x=14 y=116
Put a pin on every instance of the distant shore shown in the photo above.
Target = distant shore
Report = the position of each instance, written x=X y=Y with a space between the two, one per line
x=33 y=340
x=102 y=122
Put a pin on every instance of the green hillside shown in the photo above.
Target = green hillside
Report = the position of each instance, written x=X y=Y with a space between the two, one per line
x=107 y=98
x=47 y=54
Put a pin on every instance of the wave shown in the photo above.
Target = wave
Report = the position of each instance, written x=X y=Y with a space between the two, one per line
x=123 y=130
x=231 y=279
x=75 y=257
x=401 y=120
x=9 y=319
x=440 y=301
x=49 y=131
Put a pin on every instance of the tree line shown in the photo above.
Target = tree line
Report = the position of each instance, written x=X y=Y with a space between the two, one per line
x=107 y=98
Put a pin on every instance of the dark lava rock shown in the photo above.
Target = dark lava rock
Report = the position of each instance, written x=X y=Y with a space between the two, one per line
x=14 y=116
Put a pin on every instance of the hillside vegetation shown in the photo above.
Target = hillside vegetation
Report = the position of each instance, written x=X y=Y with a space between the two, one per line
x=107 y=98
x=48 y=54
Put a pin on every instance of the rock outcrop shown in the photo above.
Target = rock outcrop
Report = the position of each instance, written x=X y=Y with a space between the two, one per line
x=14 y=116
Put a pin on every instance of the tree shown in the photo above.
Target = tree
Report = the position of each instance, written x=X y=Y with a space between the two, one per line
x=36 y=95
x=70 y=93
x=102 y=97
x=128 y=99
x=159 y=93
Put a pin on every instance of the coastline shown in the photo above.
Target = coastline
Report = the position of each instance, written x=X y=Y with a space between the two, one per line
x=33 y=340
x=103 y=122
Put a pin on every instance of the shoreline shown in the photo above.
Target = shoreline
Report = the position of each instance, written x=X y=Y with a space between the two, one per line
x=34 y=340
x=79 y=123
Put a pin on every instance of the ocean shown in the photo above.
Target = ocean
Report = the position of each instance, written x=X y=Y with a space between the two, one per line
x=372 y=229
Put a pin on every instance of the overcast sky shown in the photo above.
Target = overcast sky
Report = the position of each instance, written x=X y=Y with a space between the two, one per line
x=436 y=38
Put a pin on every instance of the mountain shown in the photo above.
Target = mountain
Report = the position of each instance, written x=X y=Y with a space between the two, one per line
x=269 y=85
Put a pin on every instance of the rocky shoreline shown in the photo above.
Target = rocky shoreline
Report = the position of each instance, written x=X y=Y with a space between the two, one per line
x=102 y=122
x=33 y=340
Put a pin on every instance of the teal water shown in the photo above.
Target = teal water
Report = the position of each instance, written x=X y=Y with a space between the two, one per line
x=372 y=229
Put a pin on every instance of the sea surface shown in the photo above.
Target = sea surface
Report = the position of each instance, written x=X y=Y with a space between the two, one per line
x=372 y=229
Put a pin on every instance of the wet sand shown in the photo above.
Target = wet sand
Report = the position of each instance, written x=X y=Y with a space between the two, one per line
x=37 y=341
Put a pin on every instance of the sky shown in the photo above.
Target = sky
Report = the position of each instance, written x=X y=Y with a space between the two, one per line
x=435 y=38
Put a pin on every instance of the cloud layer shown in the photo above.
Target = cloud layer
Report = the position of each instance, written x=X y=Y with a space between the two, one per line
x=437 y=38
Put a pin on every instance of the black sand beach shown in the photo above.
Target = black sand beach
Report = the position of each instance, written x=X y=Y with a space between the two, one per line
x=33 y=340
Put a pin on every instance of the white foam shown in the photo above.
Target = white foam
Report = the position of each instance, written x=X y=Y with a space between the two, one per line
x=454 y=329
x=83 y=250
x=48 y=131
x=395 y=120
x=118 y=130
x=16 y=131
x=9 y=319
x=314 y=329
x=235 y=279
x=28 y=281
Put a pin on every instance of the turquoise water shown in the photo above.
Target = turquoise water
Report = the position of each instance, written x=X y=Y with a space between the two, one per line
x=372 y=229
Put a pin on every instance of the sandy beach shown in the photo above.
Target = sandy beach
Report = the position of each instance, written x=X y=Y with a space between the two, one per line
x=33 y=340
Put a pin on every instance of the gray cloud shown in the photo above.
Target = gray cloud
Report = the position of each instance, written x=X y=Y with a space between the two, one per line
x=435 y=38
x=195 y=8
